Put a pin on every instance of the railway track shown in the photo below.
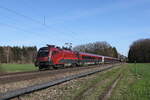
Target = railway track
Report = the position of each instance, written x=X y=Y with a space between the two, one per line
x=19 y=92
x=20 y=76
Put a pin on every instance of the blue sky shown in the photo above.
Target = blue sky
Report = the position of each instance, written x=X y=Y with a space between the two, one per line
x=119 y=22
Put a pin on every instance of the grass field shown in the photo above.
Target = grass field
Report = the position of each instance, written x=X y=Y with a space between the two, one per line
x=90 y=88
x=17 y=67
x=135 y=83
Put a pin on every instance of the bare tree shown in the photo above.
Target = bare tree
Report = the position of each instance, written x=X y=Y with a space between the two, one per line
x=101 y=48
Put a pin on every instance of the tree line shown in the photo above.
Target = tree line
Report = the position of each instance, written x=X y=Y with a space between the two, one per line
x=27 y=54
x=139 y=51
x=17 y=54
x=101 y=48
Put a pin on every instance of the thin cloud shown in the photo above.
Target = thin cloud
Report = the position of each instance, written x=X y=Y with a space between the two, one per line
x=144 y=33
x=95 y=11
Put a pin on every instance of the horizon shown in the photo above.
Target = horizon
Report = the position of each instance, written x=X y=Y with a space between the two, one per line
x=37 y=23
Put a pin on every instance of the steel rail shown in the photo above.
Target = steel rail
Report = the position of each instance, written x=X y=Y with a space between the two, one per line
x=26 y=76
x=16 y=93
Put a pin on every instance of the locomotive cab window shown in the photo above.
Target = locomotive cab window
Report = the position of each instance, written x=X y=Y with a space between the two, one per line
x=55 y=52
x=42 y=54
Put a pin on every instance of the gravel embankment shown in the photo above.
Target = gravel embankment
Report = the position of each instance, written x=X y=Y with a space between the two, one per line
x=61 y=91
x=21 y=84
x=57 y=92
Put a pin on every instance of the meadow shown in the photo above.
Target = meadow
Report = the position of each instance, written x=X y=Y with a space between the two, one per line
x=135 y=83
x=17 y=67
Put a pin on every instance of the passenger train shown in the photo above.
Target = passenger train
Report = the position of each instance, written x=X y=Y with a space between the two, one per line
x=52 y=56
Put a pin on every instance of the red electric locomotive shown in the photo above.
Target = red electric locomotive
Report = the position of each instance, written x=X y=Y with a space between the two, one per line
x=55 y=57
x=52 y=56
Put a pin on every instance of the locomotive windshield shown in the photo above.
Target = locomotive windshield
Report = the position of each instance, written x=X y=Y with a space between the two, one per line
x=43 y=52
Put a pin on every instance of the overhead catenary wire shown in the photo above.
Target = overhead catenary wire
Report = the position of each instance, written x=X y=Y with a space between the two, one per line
x=29 y=36
x=17 y=28
x=19 y=14
x=36 y=21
